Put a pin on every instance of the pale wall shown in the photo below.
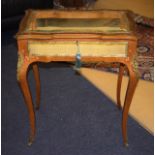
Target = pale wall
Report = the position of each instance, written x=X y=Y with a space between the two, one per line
x=143 y=7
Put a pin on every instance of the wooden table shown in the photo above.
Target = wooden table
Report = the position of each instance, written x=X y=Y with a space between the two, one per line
x=76 y=36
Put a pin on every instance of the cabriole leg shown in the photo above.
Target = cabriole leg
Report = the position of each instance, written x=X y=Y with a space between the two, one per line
x=37 y=80
x=22 y=79
x=119 y=83
x=133 y=80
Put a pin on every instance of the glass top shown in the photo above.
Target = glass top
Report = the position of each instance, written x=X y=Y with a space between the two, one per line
x=77 y=22
x=79 y=25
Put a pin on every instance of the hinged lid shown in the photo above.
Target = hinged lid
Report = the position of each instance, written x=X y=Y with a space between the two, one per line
x=54 y=21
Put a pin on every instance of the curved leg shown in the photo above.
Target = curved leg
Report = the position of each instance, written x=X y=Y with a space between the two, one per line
x=22 y=79
x=37 y=80
x=133 y=80
x=119 y=82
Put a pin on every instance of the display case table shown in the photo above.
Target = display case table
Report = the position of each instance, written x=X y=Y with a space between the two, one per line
x=76 y=36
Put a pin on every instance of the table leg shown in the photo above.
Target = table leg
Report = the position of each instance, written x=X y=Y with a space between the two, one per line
x=22 y=79
x=37 y=80
x=133 y=80
x=119 y=83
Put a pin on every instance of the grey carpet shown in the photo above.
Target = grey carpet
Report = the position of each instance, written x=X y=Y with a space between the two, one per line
x=74 y=118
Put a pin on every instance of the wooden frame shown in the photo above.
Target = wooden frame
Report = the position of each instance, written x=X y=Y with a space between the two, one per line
x=27 y=32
